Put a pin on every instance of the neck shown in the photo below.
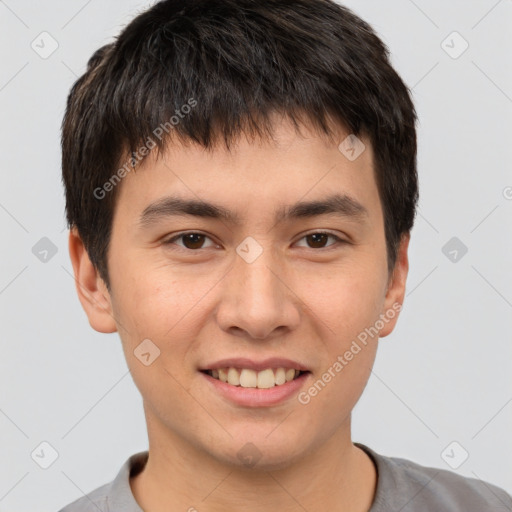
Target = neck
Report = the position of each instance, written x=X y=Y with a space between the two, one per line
x=335 y=475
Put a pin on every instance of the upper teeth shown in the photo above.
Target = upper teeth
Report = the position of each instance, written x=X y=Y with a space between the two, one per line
x=248 y=378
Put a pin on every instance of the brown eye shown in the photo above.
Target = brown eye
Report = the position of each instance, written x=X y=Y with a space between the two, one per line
x=191 y=241
x=319 y=239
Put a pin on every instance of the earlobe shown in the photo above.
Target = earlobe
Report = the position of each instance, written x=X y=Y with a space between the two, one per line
x=91 y=289
x=396 y=288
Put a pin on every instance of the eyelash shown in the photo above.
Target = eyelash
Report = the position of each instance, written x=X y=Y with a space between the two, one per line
x=338 y=240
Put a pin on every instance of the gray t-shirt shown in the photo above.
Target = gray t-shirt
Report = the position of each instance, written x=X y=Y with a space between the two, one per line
x=402 y=485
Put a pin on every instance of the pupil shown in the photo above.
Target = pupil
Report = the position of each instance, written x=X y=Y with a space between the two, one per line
x=316 y=237
x=190 y=238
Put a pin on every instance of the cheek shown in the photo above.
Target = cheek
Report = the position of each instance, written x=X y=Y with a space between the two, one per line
x=156 y=302
x=158 y=336
x=347 y=305
x=168 y=309
x=347 y=300
x=347 y=310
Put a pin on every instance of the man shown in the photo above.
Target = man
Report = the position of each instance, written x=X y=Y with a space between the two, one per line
x=240 y=186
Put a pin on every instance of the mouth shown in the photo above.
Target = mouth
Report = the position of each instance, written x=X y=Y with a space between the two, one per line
x=249 y=378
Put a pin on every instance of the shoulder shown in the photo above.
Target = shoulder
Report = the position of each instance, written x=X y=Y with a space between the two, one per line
x=405 y=485
x=116 y=496
x=95 y=501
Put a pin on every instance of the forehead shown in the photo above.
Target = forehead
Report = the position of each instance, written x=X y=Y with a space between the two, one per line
x=288 y=176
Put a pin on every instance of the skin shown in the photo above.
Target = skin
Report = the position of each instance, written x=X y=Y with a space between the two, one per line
x=299 y=300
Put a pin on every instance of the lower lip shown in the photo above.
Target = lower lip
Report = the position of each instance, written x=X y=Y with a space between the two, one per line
x=254 y=397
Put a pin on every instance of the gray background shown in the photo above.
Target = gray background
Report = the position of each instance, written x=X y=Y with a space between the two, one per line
x=444 y=375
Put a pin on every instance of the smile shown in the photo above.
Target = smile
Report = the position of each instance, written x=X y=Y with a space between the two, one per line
x=248 y=378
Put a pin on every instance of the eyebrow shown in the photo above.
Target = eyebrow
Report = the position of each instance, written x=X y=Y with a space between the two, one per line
x=172 y=206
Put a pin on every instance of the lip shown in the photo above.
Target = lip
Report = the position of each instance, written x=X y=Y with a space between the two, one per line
x=254 y=397
x=242 y=362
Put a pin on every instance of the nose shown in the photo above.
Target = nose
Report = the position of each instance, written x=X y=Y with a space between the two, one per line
x=258 y=300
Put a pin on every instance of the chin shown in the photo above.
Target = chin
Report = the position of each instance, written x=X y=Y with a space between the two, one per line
x=262 y=452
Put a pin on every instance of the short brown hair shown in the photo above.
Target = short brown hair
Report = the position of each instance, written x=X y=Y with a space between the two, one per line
x=236 y=62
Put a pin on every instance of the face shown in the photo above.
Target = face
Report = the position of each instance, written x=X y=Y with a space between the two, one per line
x=263 y=287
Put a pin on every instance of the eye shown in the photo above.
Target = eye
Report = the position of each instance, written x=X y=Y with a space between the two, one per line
x=191 y=240
x=194 y=240
x=318 y=239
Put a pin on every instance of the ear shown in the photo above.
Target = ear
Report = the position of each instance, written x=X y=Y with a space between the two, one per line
x=91 y=289
x=396 y=288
